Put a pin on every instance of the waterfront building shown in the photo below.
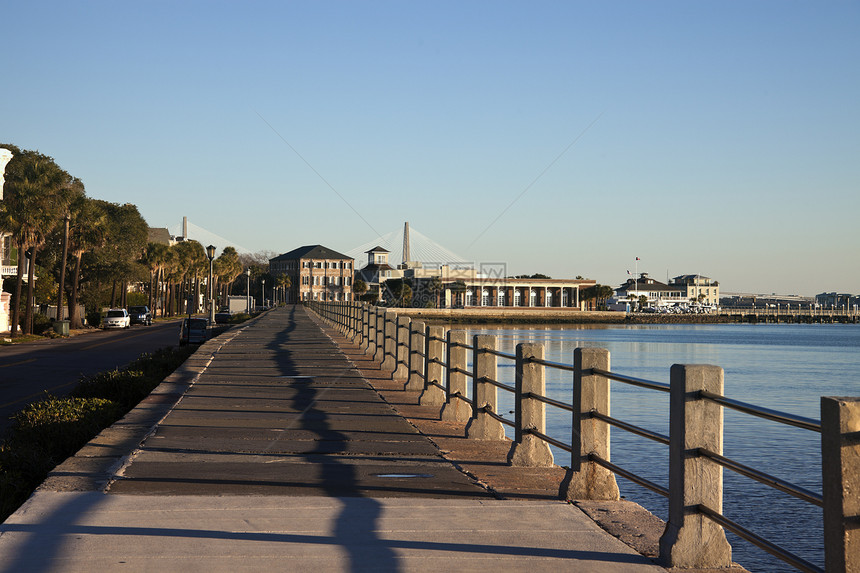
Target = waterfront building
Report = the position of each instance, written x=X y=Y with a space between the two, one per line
x=699 y=288
x=375 y=272
x=512 y=292
x=680 y=291
x=316 y=273
x=837 y=301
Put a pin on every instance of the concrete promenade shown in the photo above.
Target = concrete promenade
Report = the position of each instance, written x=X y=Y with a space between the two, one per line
x=272 y=450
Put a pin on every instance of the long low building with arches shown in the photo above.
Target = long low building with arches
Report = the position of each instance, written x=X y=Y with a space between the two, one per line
x=512 y=292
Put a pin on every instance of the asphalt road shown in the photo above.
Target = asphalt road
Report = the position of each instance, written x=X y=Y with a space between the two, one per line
x=28 y=370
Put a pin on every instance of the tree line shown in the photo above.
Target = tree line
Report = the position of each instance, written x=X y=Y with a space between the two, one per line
x=87 y=252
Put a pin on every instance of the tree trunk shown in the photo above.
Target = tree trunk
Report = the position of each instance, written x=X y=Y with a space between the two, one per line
x=74 y=319
x=31 y=280
x=19 y=280
x=113 y=294
x=62 y=287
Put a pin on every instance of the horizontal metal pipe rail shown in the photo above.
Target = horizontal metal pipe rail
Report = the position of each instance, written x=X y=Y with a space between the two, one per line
x=759 y=541
x=628 y=475
x=498 y=418
x=641 y=382
x=501 y=354
x=766 y=413
x=639 y=431
x=766 y=479
x=499 y=385
x=552 y=441
x=546 y=400
x=465 y=399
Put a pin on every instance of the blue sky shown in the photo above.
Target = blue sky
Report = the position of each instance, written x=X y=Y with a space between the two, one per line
x=568 y=138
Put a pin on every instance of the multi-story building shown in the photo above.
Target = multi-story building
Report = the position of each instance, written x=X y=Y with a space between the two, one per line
x=699 y=288
x=682 y=290
x=316 y=273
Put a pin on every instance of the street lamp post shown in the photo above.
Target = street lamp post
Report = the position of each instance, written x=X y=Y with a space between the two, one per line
x=210 y=253
x=248 y=298
x=263 y=297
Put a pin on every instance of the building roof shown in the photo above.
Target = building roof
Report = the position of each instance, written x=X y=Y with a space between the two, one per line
x=158 y=235
x=311 y=252
x=648 y=284
x=378 y=249
x=377 y=267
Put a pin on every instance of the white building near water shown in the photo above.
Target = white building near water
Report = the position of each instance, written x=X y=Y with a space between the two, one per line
x=682 y=291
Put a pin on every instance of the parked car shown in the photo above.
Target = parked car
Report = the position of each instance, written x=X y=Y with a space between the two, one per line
x=116 y=318
x=140 y=315
x=194 y=331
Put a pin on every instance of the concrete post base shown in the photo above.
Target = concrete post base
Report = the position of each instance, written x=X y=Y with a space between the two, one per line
x=593 y=482
x=456 y=411
x=485 y=428
x=400 y=373
x=700 y=543
x=415 y=382
x=432 y=396
x=531 y=452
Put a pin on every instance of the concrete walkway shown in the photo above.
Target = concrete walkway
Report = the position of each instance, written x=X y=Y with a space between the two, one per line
x=270 y=451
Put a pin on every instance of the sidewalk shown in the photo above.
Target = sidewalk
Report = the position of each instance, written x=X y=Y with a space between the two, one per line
x=270 y=450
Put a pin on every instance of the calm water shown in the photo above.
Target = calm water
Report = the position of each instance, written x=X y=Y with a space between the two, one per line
x=784 y=367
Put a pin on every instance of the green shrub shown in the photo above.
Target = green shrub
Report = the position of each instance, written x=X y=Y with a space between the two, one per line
x=41 y=324
x=45 y=433
x=239 y=317
x=62 y=425
x=125 y=387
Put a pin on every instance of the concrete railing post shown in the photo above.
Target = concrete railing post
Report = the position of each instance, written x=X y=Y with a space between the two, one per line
x=690 y=538
x=365 y=325
x=370 y=341
x=529 y=414
x=586 y=479
x=358 y=324
x=482 y=426
x=455 y=408
x=416 y=356
x=379 y=353
x=401 y=367
x=434 y=348
x=389 y=343
x=840 y=466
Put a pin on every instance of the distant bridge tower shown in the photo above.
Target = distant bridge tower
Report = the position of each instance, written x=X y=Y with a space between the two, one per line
x=406 y=242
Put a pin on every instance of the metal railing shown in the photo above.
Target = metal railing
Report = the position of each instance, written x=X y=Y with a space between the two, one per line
x=436 y=360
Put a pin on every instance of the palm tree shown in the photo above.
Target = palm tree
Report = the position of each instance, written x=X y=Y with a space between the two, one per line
x=228 y=268
x=87 y=232
x=38 y=195
x=154 y=259
x=359 y=287
x=283 y=283
x=435 y=288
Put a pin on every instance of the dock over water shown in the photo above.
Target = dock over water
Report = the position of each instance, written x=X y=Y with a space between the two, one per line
x=279 y=446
